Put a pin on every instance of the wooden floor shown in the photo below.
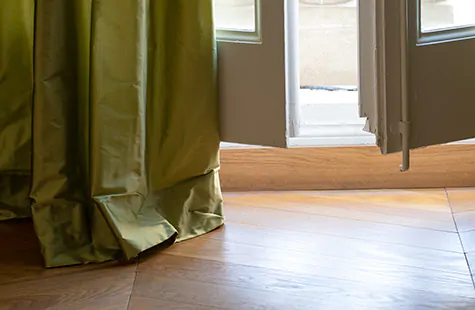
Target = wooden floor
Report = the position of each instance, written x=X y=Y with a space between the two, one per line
x=401 y=249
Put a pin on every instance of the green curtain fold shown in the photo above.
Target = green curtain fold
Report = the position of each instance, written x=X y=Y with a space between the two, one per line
x=108 y=124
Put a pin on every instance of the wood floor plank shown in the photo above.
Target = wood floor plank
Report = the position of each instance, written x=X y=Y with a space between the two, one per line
x=471 y=262
x=145 y=303
x=314 y=250
x=468 y=240
x=209 y=294
x=341 y=247
x=105 y=288
x=416 y=208
x=234 y=286
x=341 y=268
x=18 y=235
x=21 y=259
x=461 y=199
x=26 y=284
x=313 y=223
x=462 y=202
x=27 y=265
x=397 y=201
x=465 y=220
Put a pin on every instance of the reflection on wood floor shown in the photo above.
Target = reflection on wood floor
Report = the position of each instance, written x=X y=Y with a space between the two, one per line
x=398 y=249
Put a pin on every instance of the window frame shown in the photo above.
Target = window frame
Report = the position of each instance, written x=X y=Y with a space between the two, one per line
x=228 y=35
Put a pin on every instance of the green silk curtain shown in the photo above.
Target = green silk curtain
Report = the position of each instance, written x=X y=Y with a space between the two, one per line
x=108 y=124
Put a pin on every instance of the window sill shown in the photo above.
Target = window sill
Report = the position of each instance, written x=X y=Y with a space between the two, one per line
x=321 y=136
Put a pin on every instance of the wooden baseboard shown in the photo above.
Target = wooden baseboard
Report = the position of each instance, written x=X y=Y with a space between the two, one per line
x=270 y=169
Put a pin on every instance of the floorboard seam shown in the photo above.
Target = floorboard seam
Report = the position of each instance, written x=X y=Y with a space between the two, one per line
x=460 y=237
x=354 y=219
x=133 y=283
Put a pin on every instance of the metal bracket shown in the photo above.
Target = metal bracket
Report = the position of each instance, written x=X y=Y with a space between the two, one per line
x=404 y=129
x=404 y=125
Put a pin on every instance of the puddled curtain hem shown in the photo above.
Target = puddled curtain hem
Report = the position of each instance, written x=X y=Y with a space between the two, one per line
x=14 y=200
x=74 y=232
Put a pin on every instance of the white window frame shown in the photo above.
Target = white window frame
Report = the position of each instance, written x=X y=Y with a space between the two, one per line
x=229 y=35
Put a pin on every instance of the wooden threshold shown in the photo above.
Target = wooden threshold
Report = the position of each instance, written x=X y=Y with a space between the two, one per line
x=269 y=169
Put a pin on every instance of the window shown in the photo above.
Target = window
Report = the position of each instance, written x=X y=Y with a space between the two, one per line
x=297 y=85
x=235 y=15
x=440 y=14
x=328 y=31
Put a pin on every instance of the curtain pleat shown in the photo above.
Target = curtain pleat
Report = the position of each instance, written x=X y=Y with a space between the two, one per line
x=16 y=93
x=120 y=128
